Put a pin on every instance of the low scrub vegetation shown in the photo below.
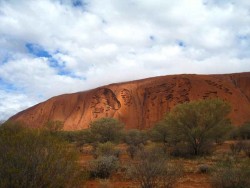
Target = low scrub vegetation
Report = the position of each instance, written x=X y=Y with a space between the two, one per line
x=106 y=149
x=35 y=158
x=135 y=140
x=231 y=173
x=106 y=130
x=106 y=160
x=152 y=158
x=151 y=169
x=242 y=132
x=204 y=169
x=103 y=166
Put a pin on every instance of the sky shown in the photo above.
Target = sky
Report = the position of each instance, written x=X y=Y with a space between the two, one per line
x=51 y=47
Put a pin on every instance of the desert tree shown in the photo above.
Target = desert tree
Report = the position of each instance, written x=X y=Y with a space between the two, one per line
x=106 y=129
x=160 y=133
x=199 y=123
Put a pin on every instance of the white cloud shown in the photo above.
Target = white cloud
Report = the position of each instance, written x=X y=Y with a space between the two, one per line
x=37 y=78
x=111 y=41
x=11 y=103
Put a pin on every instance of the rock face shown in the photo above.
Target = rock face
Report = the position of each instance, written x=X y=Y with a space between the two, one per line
x=140 y=104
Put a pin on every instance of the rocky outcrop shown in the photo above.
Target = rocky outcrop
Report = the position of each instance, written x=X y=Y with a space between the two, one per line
x=140 y=104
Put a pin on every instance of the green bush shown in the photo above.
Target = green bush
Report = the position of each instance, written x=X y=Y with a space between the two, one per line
x=236 y=148
x=33 y=158
x=106 y=149
x=132 y=151
x=135 y=137
x=151 y=169
x=198 y=124
x=53 y=126
x=203 y=169
x=79 y=137
x=246 y=148
x=161 y=133
x=243 y=132
x=103 y=166
x=135 y=140
x=231 y=173
x=180 y=149
x=106 y=129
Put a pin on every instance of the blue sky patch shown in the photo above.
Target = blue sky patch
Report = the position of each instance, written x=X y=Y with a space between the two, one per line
x=104 y=21
x=243 y=37
x=70 y=74
x=8 y=86
x=244 y=45
x=77 y=3
x=37 y=50
x=54 y=63
x=152 y=37
x=5 y=59
x=181 y=43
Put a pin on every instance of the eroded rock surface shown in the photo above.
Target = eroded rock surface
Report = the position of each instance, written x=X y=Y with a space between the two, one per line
x=140 y=104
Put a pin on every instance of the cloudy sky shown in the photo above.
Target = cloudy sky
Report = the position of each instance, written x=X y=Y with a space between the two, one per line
x=50 y=47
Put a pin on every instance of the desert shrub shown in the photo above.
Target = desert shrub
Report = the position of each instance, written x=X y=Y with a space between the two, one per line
x=35 y=158
x=185 y=150
x=154 y=149
x=135 y=140
x=132 y=150
x=231 y=174
x=233 y=134
x=160 y=133
x=106 y=149
x=203 y=169
x=152 y=170
x=244 y=131
x=103 y=166
x=78 y=137
x=246 y=148
x=69 y=136
x=106 y=129
x=105 y=183
x=106 y=161
x=180 y=149
x=172 y=174
x=240 y=146
x=236 y=147
x=53 y=126
x=135 y=137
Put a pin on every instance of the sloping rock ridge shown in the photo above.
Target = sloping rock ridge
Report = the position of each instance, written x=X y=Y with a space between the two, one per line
x=142 y=103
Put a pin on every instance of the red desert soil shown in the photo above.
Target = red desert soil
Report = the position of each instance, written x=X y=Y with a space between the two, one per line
x=194 y=181
x=188 y=181
x=139 y=104
x=192 y=178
